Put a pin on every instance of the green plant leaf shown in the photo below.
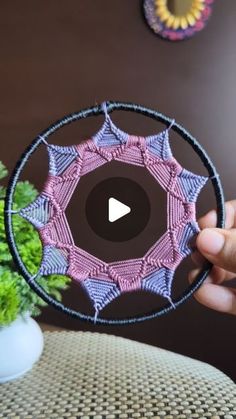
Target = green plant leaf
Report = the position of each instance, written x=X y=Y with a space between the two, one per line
x=9 y=299
x=24 y=194
x=30 y=249
x=3 y=171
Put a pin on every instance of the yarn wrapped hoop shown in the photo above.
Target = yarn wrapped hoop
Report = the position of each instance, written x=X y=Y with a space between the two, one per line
x=42 y=138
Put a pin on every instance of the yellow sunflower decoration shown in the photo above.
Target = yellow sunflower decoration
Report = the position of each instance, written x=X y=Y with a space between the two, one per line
x=180 y=25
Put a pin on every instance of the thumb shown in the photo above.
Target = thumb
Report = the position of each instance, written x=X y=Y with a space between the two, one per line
x=219 y=247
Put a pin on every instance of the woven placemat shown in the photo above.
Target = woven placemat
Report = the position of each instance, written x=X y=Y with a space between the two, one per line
x=96 y=376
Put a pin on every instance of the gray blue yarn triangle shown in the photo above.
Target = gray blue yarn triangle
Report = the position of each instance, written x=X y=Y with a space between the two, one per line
x=109 y=135
x=189 y=231
x=38 y=212
x=191 y=184
x=159 y=145
x=54 y=261
x=60 y=158
x=101 y=292
x=159 y=282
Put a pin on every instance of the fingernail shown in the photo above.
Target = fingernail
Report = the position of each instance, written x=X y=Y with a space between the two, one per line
x=210 y=241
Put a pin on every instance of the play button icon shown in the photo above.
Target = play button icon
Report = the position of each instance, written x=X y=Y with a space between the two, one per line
x=116 y=210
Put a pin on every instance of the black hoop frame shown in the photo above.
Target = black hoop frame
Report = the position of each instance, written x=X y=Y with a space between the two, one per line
x=97 y=110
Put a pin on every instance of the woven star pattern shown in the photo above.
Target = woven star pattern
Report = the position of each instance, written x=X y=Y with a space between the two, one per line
x=104 y=281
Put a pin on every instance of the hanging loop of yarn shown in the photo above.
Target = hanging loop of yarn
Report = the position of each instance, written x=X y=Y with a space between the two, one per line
x=106 y=108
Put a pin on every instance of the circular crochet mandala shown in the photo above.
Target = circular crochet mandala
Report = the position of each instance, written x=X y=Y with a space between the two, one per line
x=176 y=28
x=105 y=281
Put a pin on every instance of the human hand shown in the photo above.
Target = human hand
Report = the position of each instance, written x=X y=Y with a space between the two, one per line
x=218 y=246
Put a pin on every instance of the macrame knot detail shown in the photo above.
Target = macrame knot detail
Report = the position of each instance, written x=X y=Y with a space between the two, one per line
x=103 y=281
x=142 y=144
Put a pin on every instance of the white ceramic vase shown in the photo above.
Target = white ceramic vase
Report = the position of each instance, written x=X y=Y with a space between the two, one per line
x=21 y=344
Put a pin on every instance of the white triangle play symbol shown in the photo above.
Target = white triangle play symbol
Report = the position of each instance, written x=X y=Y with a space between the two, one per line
x=116 y=209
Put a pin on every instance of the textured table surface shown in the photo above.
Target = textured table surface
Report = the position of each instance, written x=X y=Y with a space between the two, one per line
x=91 y=375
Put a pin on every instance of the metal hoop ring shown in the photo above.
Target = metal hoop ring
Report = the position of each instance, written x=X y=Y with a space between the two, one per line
x=97 y=110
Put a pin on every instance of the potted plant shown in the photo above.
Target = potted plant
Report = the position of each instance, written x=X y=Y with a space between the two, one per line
x=21 y=339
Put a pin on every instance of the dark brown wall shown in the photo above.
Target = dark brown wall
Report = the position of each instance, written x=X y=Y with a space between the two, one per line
x=58 y=57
